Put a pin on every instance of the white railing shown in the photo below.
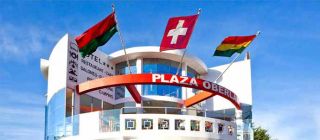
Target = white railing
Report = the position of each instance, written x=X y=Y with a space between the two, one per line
x=179 y=111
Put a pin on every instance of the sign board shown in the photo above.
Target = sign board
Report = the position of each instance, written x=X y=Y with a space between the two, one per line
x=161 y=79
x=91 y=67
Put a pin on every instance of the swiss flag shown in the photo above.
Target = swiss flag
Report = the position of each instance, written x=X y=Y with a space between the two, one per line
x=178 y=32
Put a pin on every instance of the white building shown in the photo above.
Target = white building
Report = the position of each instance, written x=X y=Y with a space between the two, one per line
x=112 y=113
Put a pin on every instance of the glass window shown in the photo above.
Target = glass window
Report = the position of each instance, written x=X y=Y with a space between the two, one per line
x=89 y=104
x=122 y=68
x=69 y=107
x=96 y=104
x=163 y=124
x=195 y=125
x=85 y=103
x=107 y=106
x=179 y=124
x=126 y=104
x=147 y=124
x=220 y=128
x=208 y=126
x=246 y=136
x=130 y=124
x=192 y=73
x=56 y=113
x=162 y=66
x=110 y=120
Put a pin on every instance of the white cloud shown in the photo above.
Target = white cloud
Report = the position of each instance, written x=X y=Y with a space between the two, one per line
x=290 y=122
x=23 y=42
x=22 y=115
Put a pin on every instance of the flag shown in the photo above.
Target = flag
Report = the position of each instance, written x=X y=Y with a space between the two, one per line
x=233 y=44
x=178 y=32
x=97 y=35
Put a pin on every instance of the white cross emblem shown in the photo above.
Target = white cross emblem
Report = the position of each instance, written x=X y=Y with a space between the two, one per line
x=179 y=30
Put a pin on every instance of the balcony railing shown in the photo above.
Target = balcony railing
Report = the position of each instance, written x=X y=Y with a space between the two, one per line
x=229 y=116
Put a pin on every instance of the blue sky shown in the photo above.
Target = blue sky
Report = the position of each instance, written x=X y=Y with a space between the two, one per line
x=285 y=57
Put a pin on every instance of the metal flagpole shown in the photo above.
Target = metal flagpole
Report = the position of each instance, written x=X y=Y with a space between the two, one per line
x=215 y=81
x=184 y=52
x=121 y=39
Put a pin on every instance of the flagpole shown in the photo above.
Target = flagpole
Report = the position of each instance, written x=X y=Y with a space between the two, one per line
x=121 y=39
x=215 y=81
x=184 y=52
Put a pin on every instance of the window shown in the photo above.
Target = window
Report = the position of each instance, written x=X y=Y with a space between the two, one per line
x=69 y=98
x=195 y=125
x=246 y=136
x=109 y=120
x=147 y=124
x=162 y=66
x=179 y=124
x=89 y=104
x=208 y=126
x=107 y=106
x=85 y=103
x=130 y=124
x=163 y=124
x=220 y=128
x=122 y=68
x=56 y=114
x=96 y=104
x=192 y=73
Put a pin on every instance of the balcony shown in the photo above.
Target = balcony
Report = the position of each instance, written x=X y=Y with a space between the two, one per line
x=163 y=122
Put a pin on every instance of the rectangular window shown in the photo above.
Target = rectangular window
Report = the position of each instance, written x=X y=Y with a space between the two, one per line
x=179 y=124
x=96 y=104
x=85 y=103
x=208 y=126
x=147 y=124
x=89 y=104
x=107 y=106
x=130 y=124
x=195 y=125
x=163 y=124
x=69 y=98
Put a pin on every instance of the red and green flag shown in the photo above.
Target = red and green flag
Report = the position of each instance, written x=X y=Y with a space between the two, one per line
x=97 y=35
x=233 y=44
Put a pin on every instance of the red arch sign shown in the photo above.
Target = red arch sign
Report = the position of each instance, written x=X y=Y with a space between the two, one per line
x=209 y=89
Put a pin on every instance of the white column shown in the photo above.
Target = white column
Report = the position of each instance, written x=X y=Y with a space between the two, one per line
x=76 y=103
x=184 y=73
x=139 y=65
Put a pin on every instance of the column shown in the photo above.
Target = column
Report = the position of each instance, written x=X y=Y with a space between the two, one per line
x=139 y=65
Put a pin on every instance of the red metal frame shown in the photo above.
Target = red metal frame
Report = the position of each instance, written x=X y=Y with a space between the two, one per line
x=208 y=88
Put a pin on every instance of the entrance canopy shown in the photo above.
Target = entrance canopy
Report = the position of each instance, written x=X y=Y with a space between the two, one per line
x=208 y=88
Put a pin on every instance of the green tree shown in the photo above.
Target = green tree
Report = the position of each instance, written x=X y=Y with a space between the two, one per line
x=261 y=134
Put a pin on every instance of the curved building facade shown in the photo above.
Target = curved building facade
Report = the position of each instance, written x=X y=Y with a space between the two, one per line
x=143 y=110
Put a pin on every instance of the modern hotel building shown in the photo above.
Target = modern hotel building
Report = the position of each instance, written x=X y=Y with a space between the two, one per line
x=97 y=98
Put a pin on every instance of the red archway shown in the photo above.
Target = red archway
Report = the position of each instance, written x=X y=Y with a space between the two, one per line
x=208 y=88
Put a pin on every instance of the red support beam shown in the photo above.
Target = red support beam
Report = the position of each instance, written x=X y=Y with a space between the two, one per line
x=134 y=93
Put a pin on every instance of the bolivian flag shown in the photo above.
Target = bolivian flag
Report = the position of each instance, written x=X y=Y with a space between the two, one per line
x=233 y=44
x=97 y=35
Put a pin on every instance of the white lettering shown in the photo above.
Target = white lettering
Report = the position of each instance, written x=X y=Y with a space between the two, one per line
x=193 y=81
x=174 y=79
x=206 y=84
x=163 y=79
x=183 y=81
x=226 y=92
x=215 y=87
x=155 y=77
x=221 y=90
